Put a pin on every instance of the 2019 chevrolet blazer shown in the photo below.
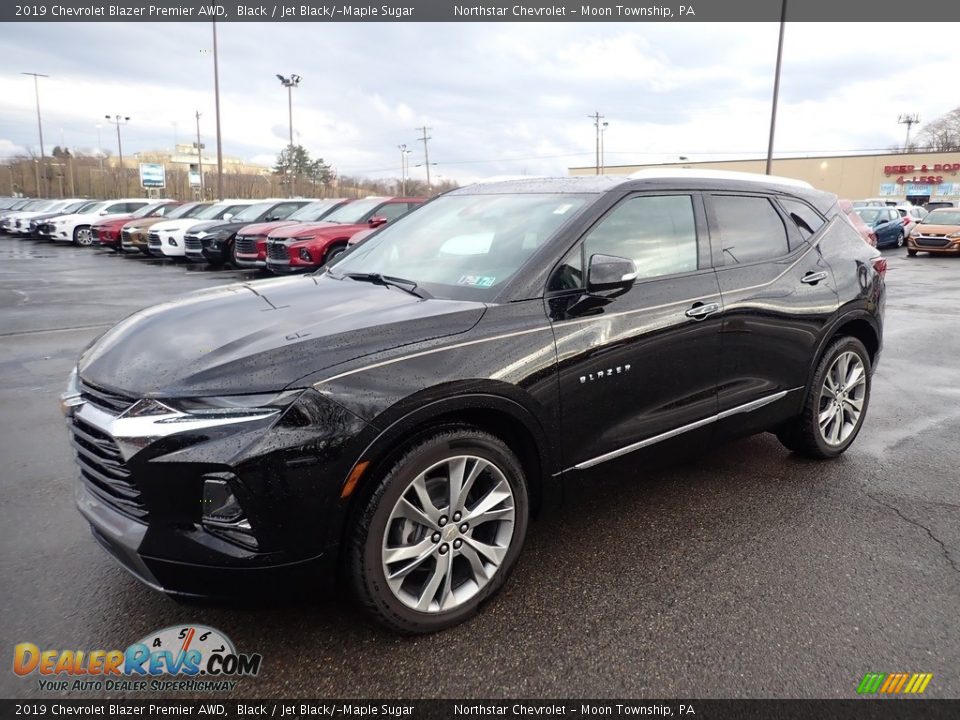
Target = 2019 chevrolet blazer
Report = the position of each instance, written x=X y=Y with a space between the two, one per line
x=250 y=248
x=399 y=413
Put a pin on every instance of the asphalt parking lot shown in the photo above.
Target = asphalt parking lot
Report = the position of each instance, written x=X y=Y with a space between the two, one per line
x=744 y=572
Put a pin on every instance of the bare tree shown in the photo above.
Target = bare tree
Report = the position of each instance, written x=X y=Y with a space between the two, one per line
x=942 y=134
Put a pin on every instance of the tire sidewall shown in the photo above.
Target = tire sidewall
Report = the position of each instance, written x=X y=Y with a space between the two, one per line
x=847 y=344
x=389 y=491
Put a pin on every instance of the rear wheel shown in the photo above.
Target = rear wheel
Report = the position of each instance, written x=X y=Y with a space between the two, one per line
x=900 y=239
x=440 y=532
x=836 y=403
x=83 y=236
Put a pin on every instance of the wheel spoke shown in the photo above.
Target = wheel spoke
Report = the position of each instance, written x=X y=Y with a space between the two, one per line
x=855 y=404
x=456 y=469
x=478 y=467
x=854 y=377
x=432 y=512
x=504 y=513
x=418 y=552
x=407 y=510
x=825 y=416
x=497 y=495
x=837 y=426
x=429 y=592
x=493 y=553
x=476 y=564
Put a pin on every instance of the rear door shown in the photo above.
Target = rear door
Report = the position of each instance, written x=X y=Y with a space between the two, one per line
x=641 y=366
x=777 y=292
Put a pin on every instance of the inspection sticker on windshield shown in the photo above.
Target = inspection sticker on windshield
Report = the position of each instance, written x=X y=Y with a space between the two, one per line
x=483 y=281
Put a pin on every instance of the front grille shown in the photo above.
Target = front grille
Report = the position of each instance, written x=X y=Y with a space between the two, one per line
x=94 y=233
x=931 y=241
x=104 y=470
x=153 y=240
x=193 y=244
x=45 y=228
x=246 y=244
x=125 y=236
x=277 y=251
x=111 y=402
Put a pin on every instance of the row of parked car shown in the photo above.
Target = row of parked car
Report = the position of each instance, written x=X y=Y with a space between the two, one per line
x=934 y=229
x=281 y=234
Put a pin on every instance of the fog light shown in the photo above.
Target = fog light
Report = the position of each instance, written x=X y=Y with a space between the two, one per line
x=305 y=255
x=172 y=242
x=219 y=503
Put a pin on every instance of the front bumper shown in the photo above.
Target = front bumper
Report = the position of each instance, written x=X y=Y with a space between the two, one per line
x=143 y=496
x=938 y=245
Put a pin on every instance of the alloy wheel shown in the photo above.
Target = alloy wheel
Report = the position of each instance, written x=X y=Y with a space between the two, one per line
x=842 y=398
x=84 y=236
x=448 y=534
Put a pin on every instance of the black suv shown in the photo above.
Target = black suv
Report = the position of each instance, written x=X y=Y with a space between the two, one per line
x=399 y=413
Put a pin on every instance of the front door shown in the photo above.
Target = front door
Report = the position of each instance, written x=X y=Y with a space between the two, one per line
x=639 y=367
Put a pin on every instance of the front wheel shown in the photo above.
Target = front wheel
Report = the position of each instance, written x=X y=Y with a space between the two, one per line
x=911 y=252
x=900 y=239
x=836 y=403
x=83 y=236
x=334 y=252
x=440 y=533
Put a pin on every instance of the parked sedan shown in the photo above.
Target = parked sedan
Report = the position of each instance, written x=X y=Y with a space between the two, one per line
x=250 y=248
x=398 y=416
x=938 y=233
x=886 y=223
x=214 y=243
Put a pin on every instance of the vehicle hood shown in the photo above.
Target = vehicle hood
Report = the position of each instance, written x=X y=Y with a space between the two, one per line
x=204 y=225
x=305 y=231
x=176 y=224
x=112 y=220
x=143 y=223
x=228 y=227
x=265 y=228
x=263 y=336
x=930 y=229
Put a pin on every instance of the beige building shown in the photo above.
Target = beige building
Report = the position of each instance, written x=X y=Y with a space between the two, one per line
x=917 y=177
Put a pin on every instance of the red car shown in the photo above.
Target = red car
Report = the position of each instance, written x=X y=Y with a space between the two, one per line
x=250 y=246
x=107 y=232
x=307 y=246
x=868 y=235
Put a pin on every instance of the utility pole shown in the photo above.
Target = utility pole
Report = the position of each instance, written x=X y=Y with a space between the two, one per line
x=597 y=117
x=909 y=120
x=36 y=92
x=200 y=157
x=290 y=83
x=603 y=160
x=119 y=120
x=776 y=86
x=426 y=153
x=404 y=164
x=216 y=92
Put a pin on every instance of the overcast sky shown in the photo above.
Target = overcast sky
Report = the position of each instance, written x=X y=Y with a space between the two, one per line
x=501 y=98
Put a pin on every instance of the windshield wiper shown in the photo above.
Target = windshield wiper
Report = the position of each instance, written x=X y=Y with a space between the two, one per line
x=379 y=279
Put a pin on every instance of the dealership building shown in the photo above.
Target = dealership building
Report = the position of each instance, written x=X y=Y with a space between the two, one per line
x=915 y=177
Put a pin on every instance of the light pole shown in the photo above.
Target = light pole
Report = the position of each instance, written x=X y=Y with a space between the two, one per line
x=603 y=131
x=36 y=92
x=216 y=95
x=290 y=83
x=776 y=85
x=404 y=164
x=119 y=120
x=200 y=157
x=597 y=117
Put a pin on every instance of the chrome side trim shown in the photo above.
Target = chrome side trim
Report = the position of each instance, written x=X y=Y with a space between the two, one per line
x=748 y=407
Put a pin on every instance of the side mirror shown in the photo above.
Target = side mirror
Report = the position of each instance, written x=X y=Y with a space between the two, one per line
x=102 y=212
x=609 y=274
x=377 y=221
x=271 y=218
x=227 y=216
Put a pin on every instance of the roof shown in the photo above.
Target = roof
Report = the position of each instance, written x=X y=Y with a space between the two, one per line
x=692 y=174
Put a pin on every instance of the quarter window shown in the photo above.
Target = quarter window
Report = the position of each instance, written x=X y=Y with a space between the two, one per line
x=807 y=221
x=750 y=229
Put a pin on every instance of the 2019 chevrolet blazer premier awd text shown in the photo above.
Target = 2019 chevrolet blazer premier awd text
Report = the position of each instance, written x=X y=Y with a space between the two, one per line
x=398 y=414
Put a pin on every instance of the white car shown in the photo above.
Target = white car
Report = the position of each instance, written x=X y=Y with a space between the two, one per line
x=912 y=214
x=19 y=223
x=10 y=218
x=166 y=238
x=76 y=227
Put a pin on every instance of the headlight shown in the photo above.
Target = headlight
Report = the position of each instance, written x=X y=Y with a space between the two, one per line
x=954 y=236
x=213 y=410
x=70 y=397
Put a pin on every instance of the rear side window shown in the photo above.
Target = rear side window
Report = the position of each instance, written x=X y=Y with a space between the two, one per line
x=391 y=211
x=807 y=221
x=750 y=229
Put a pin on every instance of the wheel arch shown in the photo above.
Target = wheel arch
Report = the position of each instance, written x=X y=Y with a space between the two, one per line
x=858 y=324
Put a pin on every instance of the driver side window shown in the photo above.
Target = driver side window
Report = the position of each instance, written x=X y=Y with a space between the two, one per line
x=657 y=232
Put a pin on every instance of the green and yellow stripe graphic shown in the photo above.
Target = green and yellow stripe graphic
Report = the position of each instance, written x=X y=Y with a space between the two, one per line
x=894 y=683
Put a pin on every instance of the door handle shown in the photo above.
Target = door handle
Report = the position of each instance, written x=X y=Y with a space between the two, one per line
x=812 y=278
x=700 y=310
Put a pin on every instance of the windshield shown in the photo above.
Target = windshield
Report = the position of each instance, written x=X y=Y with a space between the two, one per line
x=148 y=210
x=942 y=217
x=354 y=212
x=314 y=211
x=252 y=212
x=869 y=215
x=75 y=206
x=190 y=210
x=97 y=207
x=463 y=246
x=216 y=211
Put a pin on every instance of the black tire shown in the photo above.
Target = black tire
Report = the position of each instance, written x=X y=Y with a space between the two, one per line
x=900 y=239
x=364 y=547
x=802 y=435
x=334 y=251
x=82 y=236
x=911 y=252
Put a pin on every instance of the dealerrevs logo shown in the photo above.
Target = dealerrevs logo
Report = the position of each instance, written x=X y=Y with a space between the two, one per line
x=181 y=657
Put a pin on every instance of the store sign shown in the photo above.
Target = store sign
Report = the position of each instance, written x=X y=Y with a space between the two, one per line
x=194 y=174
x=918 y=174
x=152 y=175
